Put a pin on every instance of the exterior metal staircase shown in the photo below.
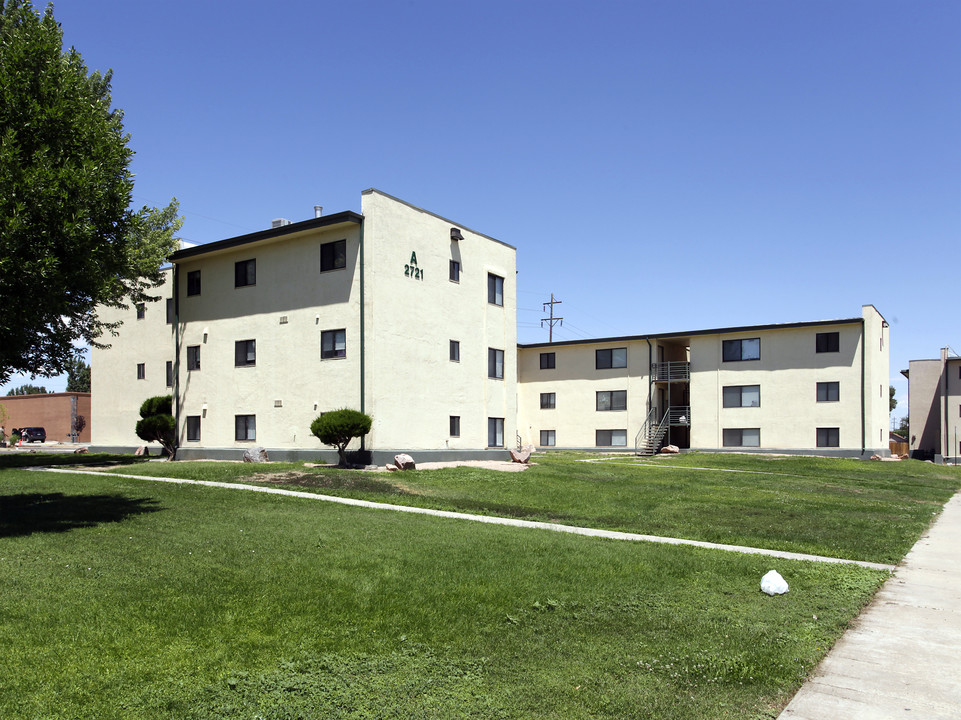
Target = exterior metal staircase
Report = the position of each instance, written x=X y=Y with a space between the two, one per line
x=648 y=439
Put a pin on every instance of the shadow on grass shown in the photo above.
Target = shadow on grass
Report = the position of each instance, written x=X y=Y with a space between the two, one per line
x=35 y=459
x=29 y=513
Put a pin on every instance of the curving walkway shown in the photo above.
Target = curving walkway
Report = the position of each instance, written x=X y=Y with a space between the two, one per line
x=490 y=519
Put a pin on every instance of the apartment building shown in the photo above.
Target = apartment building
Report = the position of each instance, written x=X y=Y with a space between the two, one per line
x=411 y=318
x=810 y=387
x=934 y=407
x=395 y=311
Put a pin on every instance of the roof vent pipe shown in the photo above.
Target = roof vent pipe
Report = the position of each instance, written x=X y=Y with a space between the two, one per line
x=318 y=210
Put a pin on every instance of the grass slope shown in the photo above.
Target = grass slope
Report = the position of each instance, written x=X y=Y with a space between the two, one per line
x=129 y=599
x=834 y=507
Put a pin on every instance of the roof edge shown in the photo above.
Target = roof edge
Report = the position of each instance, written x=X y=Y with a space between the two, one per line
x=711 y=331
x=347 y=216
x=372 y=190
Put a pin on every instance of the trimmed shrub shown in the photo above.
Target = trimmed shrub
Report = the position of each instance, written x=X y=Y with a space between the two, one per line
x=339 y=427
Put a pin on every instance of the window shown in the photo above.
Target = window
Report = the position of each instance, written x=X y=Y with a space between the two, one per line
x=742 y=396
x=495 y=289
x=333 y=255
x=245 y=427
x=455 y=351
x=612 y=400
x=193 y=428
x=828 y=342
x=170 y=311
x=828 y=391
x=495 y=363
x=193 y=357
x=746 y=349
x=547 y=401
x=742 y=437
x=455 y=425
x=193 y=282
x=829 y=437
x=547 y=361
x=245 y=273
x=141 y=311
x=548 y=438
x=454 y=271
x=170 y=373
x=495 y=432
x=245 y=353
x=610 y=358
x=610 y=438
x=141 y=371
x=333 y=344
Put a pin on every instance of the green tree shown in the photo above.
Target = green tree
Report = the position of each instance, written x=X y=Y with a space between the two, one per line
x=29 y=390
x=892 y=403
x=339 y=427
x=68 y=240
x=904 y=428
x=157 y=423
x=78 y=375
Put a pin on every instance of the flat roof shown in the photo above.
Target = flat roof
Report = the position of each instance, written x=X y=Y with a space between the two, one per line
x=348 y=216
x=713 y=331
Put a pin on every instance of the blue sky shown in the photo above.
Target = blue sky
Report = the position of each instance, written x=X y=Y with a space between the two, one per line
x=659 y=166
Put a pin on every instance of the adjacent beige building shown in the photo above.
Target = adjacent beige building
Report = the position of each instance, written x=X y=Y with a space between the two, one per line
x=411 y=318
x=934 y=407
x=813 y=387
x=395 y=311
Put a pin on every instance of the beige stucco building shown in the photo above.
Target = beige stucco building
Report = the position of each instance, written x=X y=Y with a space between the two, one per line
x=395 y=311
x=934 y=407
x=818 y=387
x=411 y=318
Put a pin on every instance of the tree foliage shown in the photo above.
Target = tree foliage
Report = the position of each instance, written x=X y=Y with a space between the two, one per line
x=68 y=241
x=339 y=427
x=892 y=402
x=29 y=390
x=78 y=375
x=157 y=423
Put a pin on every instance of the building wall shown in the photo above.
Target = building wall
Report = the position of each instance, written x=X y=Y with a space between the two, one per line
x=116 y=391
x=877 y=380
x=413 y=310
x=396 y=365
x=787 y=373
x=285 y=312
x=924 y=405
x=51 y=411
x=575 y=382
x=951 y=443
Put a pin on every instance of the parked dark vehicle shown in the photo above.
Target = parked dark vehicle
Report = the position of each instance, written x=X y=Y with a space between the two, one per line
x=33 y=434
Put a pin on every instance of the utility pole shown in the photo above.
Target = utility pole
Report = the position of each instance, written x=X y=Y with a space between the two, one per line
x=551 y=320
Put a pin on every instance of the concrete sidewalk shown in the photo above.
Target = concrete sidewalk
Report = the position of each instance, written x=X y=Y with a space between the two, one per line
x=902 y=656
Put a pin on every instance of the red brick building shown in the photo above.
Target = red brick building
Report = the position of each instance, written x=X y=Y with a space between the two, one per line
x=52 y=411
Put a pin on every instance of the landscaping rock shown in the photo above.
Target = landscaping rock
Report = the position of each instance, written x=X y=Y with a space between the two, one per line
x=142 y=450
x=391 y=468
x=670 y=450
x=80 y=451
x=404 y=462
x=875 y=457
x=521 y=457
x=255 y=455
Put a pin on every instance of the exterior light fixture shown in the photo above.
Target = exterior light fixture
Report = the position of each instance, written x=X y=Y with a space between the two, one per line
x=456 y=234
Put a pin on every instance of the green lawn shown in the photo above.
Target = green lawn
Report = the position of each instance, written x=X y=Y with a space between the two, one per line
x=131 y=599
x=843 y=508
